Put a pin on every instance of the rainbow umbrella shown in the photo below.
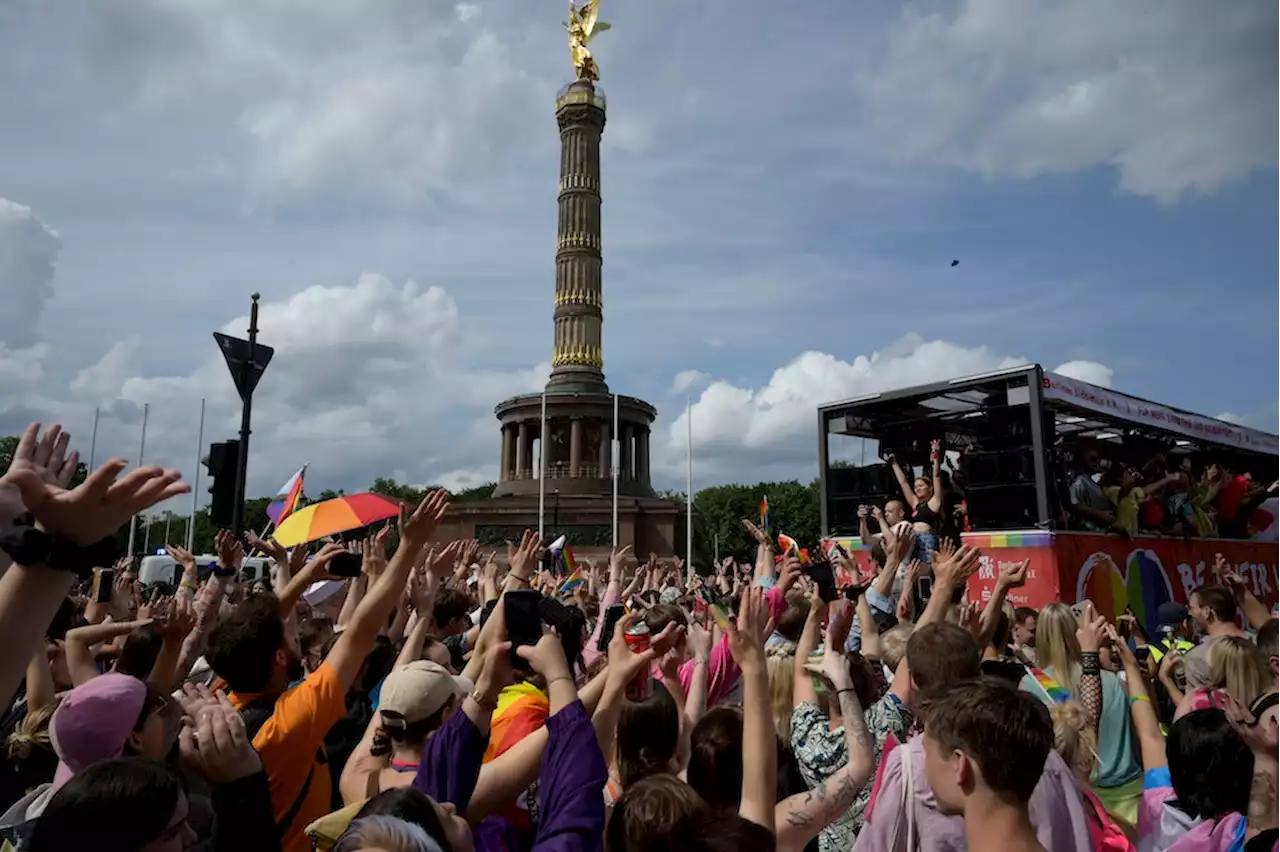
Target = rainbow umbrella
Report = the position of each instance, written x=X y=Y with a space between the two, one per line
x=338 y=515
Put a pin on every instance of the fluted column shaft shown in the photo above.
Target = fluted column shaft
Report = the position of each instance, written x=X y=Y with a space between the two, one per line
x=577 y=360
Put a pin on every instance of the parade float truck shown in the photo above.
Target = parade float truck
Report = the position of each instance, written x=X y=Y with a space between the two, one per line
x=1012 y=440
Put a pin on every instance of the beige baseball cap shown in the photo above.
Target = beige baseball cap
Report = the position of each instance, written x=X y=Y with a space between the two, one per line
x=417 y=690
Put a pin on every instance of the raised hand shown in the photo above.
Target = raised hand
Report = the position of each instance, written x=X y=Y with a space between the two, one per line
x=230 y=550
x=547 y=657
x=1117 y=642
x=215 y=743
x=183 y=557
x=418 y=524
x=746 y=642
x=624 y=664
x=470 y=552
x=864 y=510
x=935 y=447
x=272 y=548
x=1229 y=577
x=757 y=533
x=839 y=623
x=524 y=558
x=1091 y=629
x=43 y=457
x=1014 y=576
x=958 y=568
x=373 y=554
x=178 y=621
x=94 y=509
x=699 y=641
x=319 y=564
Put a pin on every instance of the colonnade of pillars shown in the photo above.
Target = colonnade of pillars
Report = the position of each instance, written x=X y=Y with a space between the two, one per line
x=520 y=462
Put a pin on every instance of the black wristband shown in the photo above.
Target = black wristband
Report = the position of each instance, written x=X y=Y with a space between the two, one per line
x=1090 y=664
x=27 y=545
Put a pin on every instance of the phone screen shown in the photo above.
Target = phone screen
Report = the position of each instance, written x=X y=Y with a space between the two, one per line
x=345 y=565
x=1142 y=653
x=924 y=587
x=824 y=577
x=611 y=617
x=524 y=625
x=106 y=579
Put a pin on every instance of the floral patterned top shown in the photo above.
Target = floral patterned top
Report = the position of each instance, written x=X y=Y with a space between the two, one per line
x=822 y=751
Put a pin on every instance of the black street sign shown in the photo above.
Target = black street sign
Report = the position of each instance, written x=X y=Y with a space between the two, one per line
x=236 y=352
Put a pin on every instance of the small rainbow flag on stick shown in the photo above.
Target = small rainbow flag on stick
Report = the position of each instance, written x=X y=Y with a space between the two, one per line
x=286 y=500
x=1055 y=691
x=764 y=513
x=574 y=577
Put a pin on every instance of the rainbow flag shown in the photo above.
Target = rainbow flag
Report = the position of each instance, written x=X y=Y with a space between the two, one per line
x=1055 y=691
x=786 y=544
x=764 y=513
x=287 y=498
x=572 y=582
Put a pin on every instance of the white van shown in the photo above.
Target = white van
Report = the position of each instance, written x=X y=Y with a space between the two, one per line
x=163 y=569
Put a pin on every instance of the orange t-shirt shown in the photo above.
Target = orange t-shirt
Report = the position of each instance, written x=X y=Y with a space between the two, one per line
x=287 y=744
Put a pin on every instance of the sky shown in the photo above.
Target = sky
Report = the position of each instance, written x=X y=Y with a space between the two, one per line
x=785 y=187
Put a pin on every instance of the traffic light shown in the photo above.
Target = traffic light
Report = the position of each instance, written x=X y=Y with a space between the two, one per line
x=222 y=462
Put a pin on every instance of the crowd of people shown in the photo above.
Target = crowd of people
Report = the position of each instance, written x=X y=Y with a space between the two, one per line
x=1161 y=493
x=442 y=700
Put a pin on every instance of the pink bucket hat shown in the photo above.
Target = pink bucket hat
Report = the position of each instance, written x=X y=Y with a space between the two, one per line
x=94 y=722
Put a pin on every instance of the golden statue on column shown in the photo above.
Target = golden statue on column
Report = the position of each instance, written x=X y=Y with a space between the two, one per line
x=583 y=25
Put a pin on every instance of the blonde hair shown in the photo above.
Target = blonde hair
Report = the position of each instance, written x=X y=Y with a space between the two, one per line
x=1074 y=738
x=1057 y=649
x=893 y=644
x=1236 y=665
x=32 y=734
x=780 y=663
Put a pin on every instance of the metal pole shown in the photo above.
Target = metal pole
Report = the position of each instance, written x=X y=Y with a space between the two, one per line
x=93 y=442
x=168 y=521
x=195 y=485
x=614 y=460
x=146 y=535
x=542 y=467
x=246 y=411
x=688 y=503
x=142 y=452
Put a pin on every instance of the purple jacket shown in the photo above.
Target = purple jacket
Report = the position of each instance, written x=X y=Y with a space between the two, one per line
x=570 y=798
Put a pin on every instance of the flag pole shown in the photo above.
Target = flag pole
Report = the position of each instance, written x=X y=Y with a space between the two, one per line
x=195 y=485
x=142 y=452
x=542 y=467
x=93 y=442
x=688 y=503
x=616 y=443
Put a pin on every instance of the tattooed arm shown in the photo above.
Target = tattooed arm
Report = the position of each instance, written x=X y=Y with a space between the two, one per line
x=1263 y=794
x=801 y=817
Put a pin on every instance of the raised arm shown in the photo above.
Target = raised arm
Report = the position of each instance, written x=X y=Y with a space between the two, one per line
x=80 y=642
x=353 y=645
x=905 y=484
x=1011 y=577
x=803 y=691
x=1255 y=611
x=759 y=746
x=949 y=575
x=935 y=459
x=1141 y=710
x=803 y=816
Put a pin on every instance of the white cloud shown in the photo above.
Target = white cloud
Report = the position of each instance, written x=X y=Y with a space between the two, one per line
x=366 y=378
x=1231 y=418
x=28 y=254
x=1087 y=371
x=735 y=426
x=686 y=379
x=102 y=381
x=389 y=97
x=1176 y=96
